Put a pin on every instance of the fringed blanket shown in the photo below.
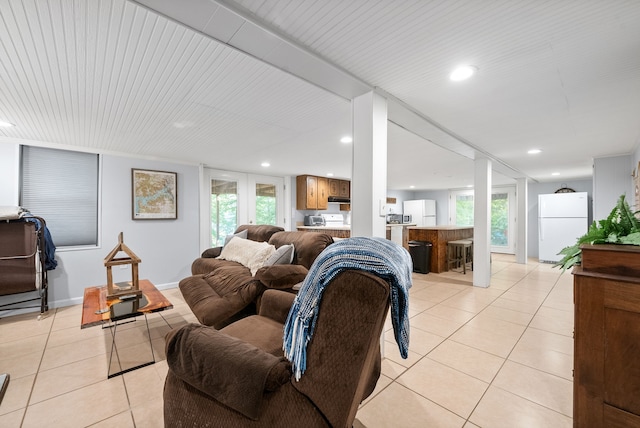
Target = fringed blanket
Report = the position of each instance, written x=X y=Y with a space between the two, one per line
x=378 y=256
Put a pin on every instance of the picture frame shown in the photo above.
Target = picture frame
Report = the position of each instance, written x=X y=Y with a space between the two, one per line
x=154 y=194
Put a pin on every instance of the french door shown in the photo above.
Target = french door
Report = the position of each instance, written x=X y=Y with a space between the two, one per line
x=503 y=203
x=234 y=198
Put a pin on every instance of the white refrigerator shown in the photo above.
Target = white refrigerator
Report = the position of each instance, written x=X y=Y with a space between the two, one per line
x=422 y=211
x=562 y=219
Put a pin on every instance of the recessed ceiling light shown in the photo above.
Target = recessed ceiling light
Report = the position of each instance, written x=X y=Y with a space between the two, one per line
x=463 y=72
x=412 y=187
x=469 y=185
x=265 y=164
x=555 y=173
x=6 y=124
x=329 y=174
x=346 y=140
x=534 y=151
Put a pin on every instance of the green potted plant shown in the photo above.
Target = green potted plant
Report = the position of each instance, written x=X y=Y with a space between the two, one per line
x=620 y=227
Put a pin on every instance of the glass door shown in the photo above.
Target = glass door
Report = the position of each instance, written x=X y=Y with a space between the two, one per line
x=265 y=200
x=502 y=216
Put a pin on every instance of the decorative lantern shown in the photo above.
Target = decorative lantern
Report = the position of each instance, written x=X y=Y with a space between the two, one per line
x=114 y=291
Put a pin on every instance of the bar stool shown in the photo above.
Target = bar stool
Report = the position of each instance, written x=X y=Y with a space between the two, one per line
x=460 y=252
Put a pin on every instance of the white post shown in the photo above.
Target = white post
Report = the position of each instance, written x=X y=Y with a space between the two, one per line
x=482 y=223
x=522 y=195
x=369 y=173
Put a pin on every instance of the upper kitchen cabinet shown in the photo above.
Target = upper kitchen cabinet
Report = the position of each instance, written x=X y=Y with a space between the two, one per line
x=312 y=192
x=339 y=188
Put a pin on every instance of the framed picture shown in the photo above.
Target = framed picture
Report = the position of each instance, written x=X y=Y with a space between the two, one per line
x=154 y=194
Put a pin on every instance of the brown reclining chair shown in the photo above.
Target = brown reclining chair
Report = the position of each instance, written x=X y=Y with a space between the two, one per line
x=343 y=363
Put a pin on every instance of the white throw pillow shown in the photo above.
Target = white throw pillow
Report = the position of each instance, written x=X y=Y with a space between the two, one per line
x=249 y=253
x=282 y=256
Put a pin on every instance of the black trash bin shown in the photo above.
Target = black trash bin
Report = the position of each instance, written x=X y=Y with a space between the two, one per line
x=420 y=255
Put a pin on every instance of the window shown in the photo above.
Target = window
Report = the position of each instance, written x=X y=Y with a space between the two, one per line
x=266 y=204
x=224 y=210
x=62 y=187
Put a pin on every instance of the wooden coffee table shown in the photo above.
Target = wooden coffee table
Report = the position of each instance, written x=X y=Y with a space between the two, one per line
x=97 y=310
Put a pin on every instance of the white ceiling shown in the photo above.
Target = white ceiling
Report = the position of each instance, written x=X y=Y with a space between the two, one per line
x=233 y=84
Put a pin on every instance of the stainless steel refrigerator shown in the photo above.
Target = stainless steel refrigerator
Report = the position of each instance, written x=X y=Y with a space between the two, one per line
x=422 y=211
x=562 y=219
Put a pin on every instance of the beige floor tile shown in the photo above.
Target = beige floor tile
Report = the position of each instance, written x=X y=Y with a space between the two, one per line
x=12 y=419
x=21 y=366
x=121 y=420
x=396 y=406
x=470 y=425
x=81 y=407
x=75 y=351
x=502 y=409
x=471 y=361
x=391 y=369
x=382 y=383
x=546 y=360
x=484 y=340
x=69 y=377
x=505 y=314
x=143 y=385
x=435 y=293
x=534 y=385
x=17 y=394
x=149 y=415
x=547 y=340
x=528 y=307
x=467 y=303
x=22 y=326
x=67 y=321
x=73 y=334
x=445 y=386
x=436 y=325
x=495 y=325
x=19 y=347
x=553 y=320
x=392 y=353
x=449 y=313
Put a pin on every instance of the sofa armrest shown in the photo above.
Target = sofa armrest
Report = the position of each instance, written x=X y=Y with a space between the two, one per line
x=211 y=253
x=281 y=277
x=275 y=304
x=232 y=371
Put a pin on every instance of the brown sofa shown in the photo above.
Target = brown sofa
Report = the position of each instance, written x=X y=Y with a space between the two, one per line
x=222 y=291
x=238 y=377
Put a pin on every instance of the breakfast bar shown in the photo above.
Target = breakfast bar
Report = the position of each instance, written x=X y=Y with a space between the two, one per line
x=439 y=236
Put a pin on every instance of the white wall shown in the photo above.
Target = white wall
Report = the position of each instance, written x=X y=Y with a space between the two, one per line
x=167 y=247
x=442 y=204
x=611 y=178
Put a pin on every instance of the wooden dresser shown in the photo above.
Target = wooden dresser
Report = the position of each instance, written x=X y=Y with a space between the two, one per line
x=606 y=384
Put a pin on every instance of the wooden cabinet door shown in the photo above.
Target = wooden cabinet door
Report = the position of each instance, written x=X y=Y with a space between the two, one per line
x=323 y=193
x=345 y=189
x=334 y=187
x=306 y=192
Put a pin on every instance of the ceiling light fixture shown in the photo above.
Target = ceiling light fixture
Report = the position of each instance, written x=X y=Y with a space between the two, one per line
x=265 y=164
x=555 y=173
x=329 y=174
x=346 y=140
x=412 y=187
x=6 y=124
x=463 y=72
x=534 y=151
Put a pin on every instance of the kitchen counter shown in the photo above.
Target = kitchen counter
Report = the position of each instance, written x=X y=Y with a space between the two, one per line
x=335 y=231
x=439 y=236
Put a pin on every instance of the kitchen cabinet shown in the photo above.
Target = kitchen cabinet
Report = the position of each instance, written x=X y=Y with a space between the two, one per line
x=606 y=380
x=340 y=188
x=311 y=192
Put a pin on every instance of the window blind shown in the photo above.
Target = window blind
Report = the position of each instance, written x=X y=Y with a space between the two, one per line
x=61 y=186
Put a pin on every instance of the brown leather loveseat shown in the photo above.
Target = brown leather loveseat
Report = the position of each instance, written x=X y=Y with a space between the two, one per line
x=222 y=291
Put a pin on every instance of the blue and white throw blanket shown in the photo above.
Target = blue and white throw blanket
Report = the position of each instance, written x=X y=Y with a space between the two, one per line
x=379 y=256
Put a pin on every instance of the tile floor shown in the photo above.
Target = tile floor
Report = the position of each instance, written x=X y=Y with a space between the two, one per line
x=495 y=357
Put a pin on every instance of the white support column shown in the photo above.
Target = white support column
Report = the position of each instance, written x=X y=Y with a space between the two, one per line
x=369 y=172
x=482 y=223
x=522 y=195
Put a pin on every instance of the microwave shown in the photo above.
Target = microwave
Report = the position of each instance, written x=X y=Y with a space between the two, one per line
x=406 y=218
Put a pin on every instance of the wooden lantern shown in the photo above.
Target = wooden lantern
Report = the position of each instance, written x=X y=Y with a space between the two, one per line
x=114 y=291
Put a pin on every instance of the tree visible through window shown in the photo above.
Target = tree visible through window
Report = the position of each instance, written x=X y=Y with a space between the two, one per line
x=266 y=207
x=224 y=210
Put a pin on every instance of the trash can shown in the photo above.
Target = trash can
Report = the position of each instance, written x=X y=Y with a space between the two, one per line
x=420 y=255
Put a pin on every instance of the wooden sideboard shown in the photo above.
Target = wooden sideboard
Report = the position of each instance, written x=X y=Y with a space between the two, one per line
x=606 y=383
x=439 y=236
